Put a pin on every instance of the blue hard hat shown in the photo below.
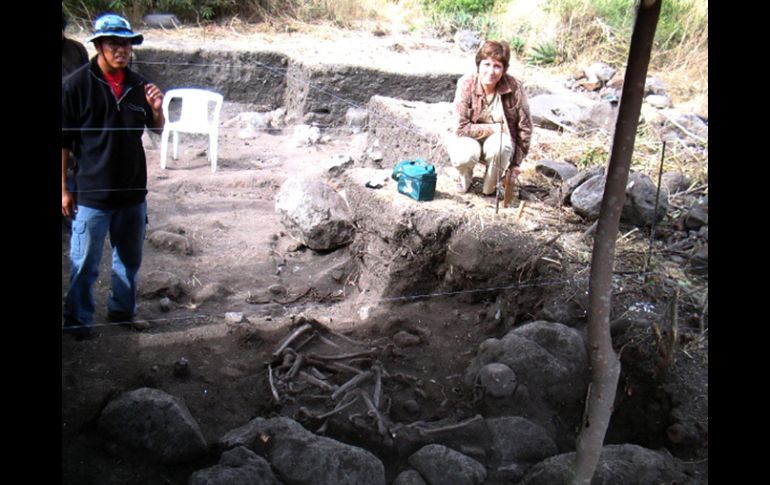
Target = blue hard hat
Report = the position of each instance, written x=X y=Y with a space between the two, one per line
x=111 y=25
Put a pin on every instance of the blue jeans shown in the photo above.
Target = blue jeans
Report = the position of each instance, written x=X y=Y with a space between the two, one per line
x=126 y=227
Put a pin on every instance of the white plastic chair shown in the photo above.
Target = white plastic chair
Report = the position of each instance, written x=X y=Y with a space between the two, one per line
x=196 y=117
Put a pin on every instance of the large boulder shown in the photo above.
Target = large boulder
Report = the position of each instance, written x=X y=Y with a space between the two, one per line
x=155 y=422
x=639 y=207
x=315 y=213
x=556 y=168
x=239 y=466
x=626 y=464
x=300 y=457
x=557 y=111
x=545 y=356
x=517 y=444
x=440 y=465
x=586 y=199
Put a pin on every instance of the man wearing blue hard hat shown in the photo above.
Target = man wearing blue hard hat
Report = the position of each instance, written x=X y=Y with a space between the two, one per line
x=105 y=109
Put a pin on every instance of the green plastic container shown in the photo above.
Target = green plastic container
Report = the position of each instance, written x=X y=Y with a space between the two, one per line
x=416 y=179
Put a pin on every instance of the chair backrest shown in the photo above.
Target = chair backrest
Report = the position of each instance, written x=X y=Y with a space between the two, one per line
x=196 y=115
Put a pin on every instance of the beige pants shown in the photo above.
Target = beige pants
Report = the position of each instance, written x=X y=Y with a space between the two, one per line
x=465 y=153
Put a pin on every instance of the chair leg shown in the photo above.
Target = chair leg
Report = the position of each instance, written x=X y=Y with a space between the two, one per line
x=213 y=146
x=163 y=149
x=176 y=145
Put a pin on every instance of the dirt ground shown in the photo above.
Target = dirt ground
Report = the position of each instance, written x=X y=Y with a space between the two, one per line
x=242 y=261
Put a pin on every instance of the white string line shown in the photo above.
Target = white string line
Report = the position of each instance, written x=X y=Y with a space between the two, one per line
x=262 y=65
x=376 y=300
x=432 y=140
x=283 y=128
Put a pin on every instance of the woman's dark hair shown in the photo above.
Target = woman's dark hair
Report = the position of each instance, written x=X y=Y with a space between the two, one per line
x=499 y=51
x=63 y=21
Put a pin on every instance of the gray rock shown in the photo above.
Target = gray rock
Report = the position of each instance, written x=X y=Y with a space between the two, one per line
x=550 y=357
x=168 y=241
x=497 y=379
x=160 y=284
x=602 y=114
x=165 y=304
x=586 y=200
x=252 y=120
x=440 y=465
x=305 y=135
x=406 y=339
x=556 y=168
x=577 y=180
x=409 y=477
x=277 y=117
x=675 y=182
x=654 y=85
x=519 y=440
x=162 y=20
x=699 y=261
x=658 y=100
x=626 y=464
x=698 y=215
x=278 y=290
x=182 y=368
x=300 y=457
x=211 y=292
x=599 y=71
x=639 y=206
x=355 y=119
x=242 y=436
x=239 y=466
x=411 y=406
x=314 y=213
x=568 y=312
x=337 y=164
x=687 y=127
x=467 y=40
x=153 y=421
x=233 y=317
x=554 y=111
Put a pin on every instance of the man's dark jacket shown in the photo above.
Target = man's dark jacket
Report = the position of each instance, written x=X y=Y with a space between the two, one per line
x=105 y=136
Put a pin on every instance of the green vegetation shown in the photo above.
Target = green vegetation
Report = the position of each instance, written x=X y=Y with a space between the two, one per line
x=559 y=35
x=544 y=54
x=470 y=7
x=517 y=45
x=449 y=16
x=199 y=10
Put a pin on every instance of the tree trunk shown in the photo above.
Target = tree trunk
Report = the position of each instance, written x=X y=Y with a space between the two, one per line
x=605 y=365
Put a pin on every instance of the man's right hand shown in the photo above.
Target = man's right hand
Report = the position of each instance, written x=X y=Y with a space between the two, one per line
x=67 y=204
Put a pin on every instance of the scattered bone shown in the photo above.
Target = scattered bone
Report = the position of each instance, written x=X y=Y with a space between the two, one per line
x=451 y=427
x=352 y=383
x=381 y=427
x=272 y=384
x=288 y=340
x=344 y=356
x=377 y=385
x=295 y=367
x=318 y=382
